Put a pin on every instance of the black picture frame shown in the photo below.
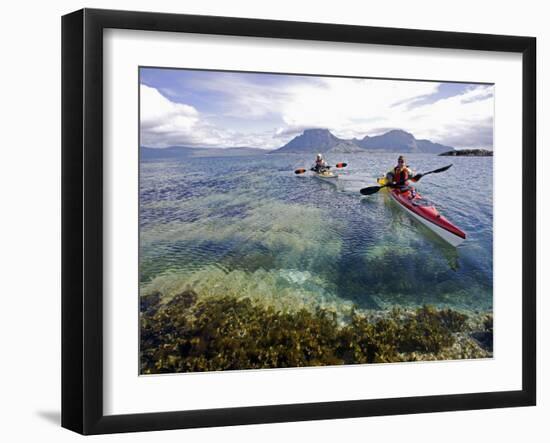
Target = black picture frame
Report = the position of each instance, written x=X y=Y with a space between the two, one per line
x=82 y=218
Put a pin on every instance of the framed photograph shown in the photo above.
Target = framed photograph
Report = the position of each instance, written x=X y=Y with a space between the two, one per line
x=269 y=221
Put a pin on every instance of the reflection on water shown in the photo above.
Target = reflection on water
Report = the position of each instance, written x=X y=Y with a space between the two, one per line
x=250 y=227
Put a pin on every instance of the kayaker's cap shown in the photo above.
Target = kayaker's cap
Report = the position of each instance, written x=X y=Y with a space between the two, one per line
x=319 y=156
x=401 y=159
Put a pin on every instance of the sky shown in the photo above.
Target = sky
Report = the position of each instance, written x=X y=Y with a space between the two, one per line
x=181 y=107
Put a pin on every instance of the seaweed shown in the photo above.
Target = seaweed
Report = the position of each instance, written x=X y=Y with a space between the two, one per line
x=190 y=334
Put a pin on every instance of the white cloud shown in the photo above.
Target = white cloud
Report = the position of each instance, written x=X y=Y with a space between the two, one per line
x=347 y=107
x=456 y=120
x=165 y=123
x=243 y=97
x=157 y=111
x=355 y=108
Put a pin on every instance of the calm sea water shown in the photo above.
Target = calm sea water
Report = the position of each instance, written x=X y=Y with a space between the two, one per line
x=249 y=226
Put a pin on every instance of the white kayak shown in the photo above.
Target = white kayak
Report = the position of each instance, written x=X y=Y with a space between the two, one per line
x=327 y=176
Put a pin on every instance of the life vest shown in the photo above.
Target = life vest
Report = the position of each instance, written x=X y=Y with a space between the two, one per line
x=400 y=176
x=320 y=165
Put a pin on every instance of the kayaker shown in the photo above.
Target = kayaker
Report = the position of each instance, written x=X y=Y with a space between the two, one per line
x=320 y=164
x=401 y=174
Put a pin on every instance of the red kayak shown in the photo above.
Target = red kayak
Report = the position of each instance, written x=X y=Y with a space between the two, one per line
x=416 y=206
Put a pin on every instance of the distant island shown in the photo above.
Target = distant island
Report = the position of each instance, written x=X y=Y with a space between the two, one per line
x=396 y=140
x=469 y=153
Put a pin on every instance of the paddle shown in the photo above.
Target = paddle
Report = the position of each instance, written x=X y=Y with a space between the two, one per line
x=374 y=189
x=302 y=170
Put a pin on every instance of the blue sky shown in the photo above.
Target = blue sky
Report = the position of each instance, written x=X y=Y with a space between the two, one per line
x=224 y=109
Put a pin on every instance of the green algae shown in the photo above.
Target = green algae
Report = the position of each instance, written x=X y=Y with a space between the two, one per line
x=283 y=289
x=189 y=333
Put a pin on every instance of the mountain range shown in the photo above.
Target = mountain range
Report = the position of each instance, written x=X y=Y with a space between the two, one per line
x=396 y=140
x=313 y=141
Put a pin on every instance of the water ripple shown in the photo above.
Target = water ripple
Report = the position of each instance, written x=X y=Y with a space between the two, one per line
x=251 y=219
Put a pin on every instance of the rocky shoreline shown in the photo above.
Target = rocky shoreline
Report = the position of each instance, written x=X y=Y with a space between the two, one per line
x=189 y=333
x=468 y=153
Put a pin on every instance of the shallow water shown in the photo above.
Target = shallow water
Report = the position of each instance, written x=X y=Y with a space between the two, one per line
x=249 y=226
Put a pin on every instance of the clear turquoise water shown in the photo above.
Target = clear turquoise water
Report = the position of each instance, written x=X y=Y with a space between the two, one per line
x=249 y=226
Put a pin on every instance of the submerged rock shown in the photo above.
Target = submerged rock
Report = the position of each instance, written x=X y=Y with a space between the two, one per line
x=149 y=303
x=184 y=299
x=485 y=337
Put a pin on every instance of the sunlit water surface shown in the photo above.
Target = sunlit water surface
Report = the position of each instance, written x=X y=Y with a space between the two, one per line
x=249 y=226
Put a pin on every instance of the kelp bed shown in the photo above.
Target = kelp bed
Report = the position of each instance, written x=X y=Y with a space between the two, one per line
x=192 y=334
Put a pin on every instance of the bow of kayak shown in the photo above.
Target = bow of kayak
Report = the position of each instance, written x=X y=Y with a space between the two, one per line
x=428 y=215
x=328 y=176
